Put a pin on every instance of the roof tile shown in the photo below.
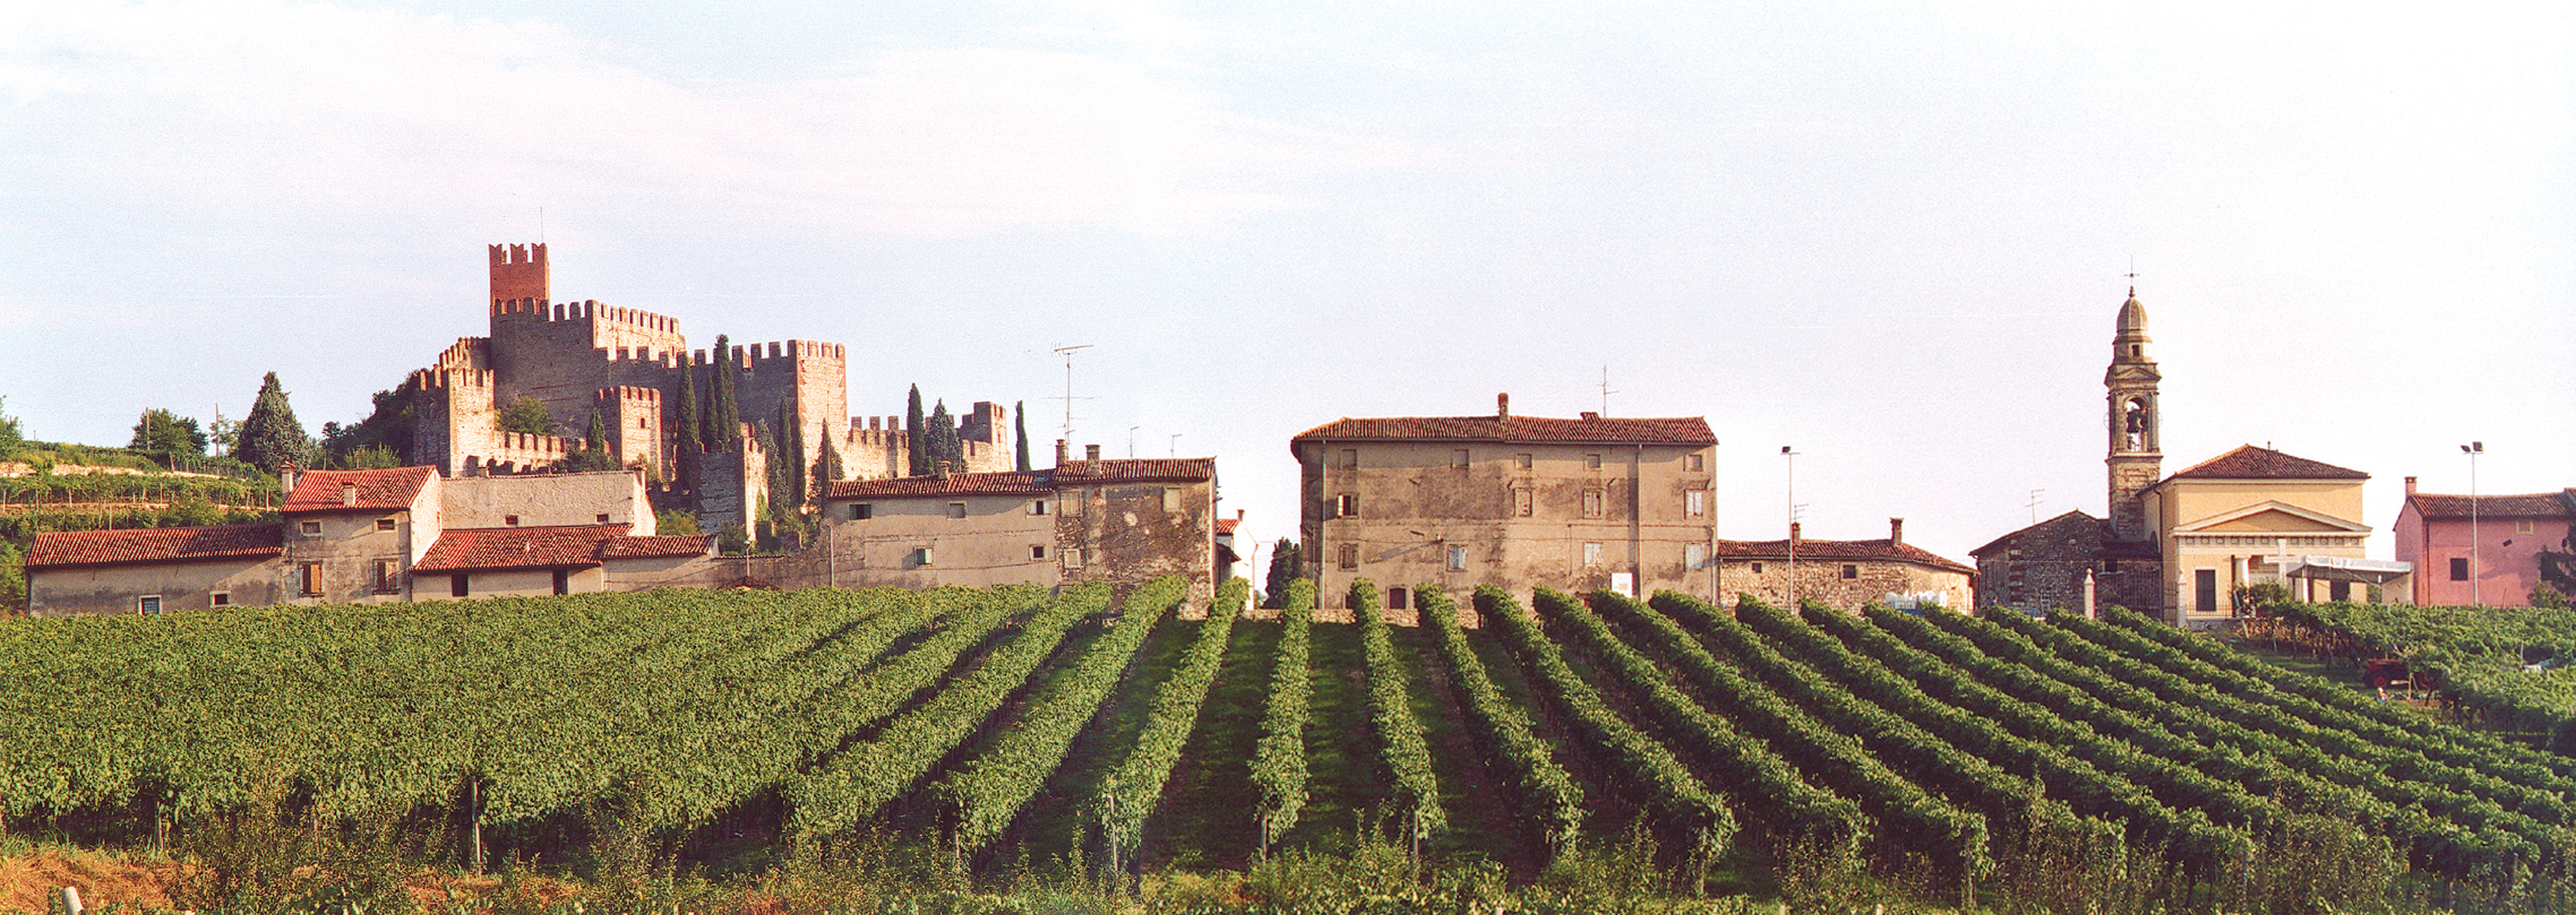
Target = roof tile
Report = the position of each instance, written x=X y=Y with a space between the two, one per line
x=2250 y=463
x=668 y=546
x=164 y=544
x=2534 y=505
x=1856 y=550
x=1031 y=482
x=575 y=546
x=387 y=489
x=1677 y=430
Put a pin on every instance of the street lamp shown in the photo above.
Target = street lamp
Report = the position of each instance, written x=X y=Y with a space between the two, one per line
x=2477 y=595
x=1791 y=458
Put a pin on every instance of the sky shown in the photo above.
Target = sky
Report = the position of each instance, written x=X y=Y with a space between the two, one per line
x=1893 y=236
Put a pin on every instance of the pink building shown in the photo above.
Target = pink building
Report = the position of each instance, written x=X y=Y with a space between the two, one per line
x=2433 y=532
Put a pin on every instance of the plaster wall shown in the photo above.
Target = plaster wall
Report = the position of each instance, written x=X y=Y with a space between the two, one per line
x=181 y=586
x=550 y=500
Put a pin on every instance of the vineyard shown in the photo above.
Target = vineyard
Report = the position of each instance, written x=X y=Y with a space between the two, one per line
x=2113 y=762
x=2509 y=668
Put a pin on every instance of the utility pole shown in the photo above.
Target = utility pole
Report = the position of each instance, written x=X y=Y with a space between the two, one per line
x=1791 y=458
x=2477 y=595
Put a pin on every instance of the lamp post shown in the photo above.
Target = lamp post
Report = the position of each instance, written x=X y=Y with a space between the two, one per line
x=1791 y=458
x=2477 y=595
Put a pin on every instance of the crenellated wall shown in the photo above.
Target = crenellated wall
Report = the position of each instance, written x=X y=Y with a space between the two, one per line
x=636 y=424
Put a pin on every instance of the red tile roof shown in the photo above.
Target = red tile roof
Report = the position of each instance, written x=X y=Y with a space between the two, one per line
x=1226 y=526
x=462 y=549
x=1838 y=551
x=389 y=489
x=668 y=546
x=165 y=544
x=2251 y=463
x=2535 y=505
x=1676 y=430
x=1032 y=482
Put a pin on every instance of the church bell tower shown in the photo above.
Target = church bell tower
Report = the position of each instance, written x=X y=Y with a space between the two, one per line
x=2136 y=455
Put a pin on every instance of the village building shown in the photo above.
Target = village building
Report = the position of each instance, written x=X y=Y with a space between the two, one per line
x=2519 y=541
x=1515 y=501
x=377 y=536
x=634 y=368
x=1122 y=521
x=1844 y=574
x=2182 y=547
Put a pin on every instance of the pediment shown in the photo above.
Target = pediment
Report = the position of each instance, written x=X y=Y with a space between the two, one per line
x=2272 y=518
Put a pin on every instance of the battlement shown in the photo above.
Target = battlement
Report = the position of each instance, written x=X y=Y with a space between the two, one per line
x=466 y=353
x=440 y=379
x=538 y=309
x=630 y=393
x=519 y=272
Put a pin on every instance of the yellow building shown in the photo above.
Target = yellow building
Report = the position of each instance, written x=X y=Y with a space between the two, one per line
x=2257 y=516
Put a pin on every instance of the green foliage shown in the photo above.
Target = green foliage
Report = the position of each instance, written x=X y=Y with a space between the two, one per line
x=1020 y=432
x=1399 y=733
x=387 y=430
x=1549 y=799
x=673 y=522
x=827 y=468
x=13 y=578
x=12 y=437
x=1131 y=792
x=270 y=437
x=160 y=430
x=940 y=439
x=2259 y=595
x=2548 y=598
x=724 y=421
x=526 y=415
x=593 y=455
x=733 y=540
x=919 y=453
x=1279 y=759
x=367 y=457
x=1283 y=569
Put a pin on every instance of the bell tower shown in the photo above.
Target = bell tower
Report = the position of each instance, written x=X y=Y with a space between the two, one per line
x=2136 y=454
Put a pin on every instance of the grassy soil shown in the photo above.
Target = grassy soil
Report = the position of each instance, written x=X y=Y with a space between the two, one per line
x=1346 y=780
x=1206 y=819
x=1474 y=793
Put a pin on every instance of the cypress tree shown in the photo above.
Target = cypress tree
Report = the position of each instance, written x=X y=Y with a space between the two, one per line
x=918 y=446
x=692 y=438
x=794 y=444
x=725 y=421
x=827 y=467
x=944 y=445
x=270 y=436
x=594 y=450
x=597 y=434
x=1020 y=431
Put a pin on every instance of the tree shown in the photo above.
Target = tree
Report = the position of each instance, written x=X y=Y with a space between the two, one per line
x=798 y=472
x=827 y=467
x=1020 y=431
x=672 y=522
x=724 y=423
x=692 y=438
x=387 y=429
x=1283 y=569
x=920 y=460
x=594 y=449
x=160 y=431
x=528 y=415
x=270 y=436
x=10 y=438
x=944 y=446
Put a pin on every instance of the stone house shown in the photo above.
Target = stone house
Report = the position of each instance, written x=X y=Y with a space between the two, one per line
x=377 y=536
x=1514 y=501
x=1125 y=521
x=2511 y=532
x=1844 y=574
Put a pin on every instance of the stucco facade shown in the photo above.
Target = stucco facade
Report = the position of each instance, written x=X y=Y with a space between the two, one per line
x=2511 y=534
x=2232 y=520
x=1513 y=501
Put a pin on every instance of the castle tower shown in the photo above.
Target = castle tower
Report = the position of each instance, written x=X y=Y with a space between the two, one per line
x=2135 y=456
x=519 y=272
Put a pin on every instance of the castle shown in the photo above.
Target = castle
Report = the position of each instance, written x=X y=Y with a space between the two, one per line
x=635 y=368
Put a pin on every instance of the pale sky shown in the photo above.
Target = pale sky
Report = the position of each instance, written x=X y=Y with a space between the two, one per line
x=1892 y=235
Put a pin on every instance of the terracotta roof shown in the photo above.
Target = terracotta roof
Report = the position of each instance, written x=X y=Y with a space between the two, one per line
x=1676 y=430
x=389 y=489
x=1838 y=551
x=670 y=546
x=1014 y=483
x=1227 y=525
x=461 y=549
x=162 y=544
x=1030 y=482
x=2251 y=463
x=2535 y=505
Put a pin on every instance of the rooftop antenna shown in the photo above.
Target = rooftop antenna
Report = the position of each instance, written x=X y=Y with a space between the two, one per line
x=1068 y=398
x=1605 y=390
x=1131 y=440
x=2133 y=275
x=1176 y=446
x=541 y=225
x=2034 y=505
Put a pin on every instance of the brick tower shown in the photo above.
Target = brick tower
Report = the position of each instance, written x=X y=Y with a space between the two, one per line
x=519 y=272
x=2136 y=455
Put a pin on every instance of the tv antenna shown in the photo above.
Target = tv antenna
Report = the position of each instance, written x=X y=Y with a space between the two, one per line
x=2034 y=505
x=1605 y=390
x=1068 y=397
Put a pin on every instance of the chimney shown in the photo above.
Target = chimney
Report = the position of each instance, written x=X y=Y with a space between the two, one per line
x=286 y=478
x=348 y=493
x=1896 y=532
x=1793 y=534
x=1238 y=514
x=945 y=467
x=2410 y=486
x=1091 y=459
x=1588 y=414
x=1063 y=453
x=1503 y=405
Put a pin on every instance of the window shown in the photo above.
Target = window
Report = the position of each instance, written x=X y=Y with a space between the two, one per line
x=1592 y=503
x=1037 y=506
x=956 y=510
x=2460 y=568
x=222 y=598
x=601 y=518
x=1521 y=461
x=2339 y=592
x=149 y=605
x=384 y=524
x=1171 y=498
x=1695 y=503
x=563 y=582
x=456 y=585
x=1346 y=505
x=1396 y=599
x=1695 y=556
x=1591 y=554
x=1457 y=559
x=1350 y=457
x=1851 y=571
x=310 y=528
x=1349 y=555
x=1458 y=457
x=861 y=511
x=2522 y=526
x=921 y=556
x=1524 y=503
x=1037 y=551
x=312 y=579
x=1592 y=461
x=386 y=576
x=510 y=520
x=1694 y=461
x=1757 y=568
x=2204 y=590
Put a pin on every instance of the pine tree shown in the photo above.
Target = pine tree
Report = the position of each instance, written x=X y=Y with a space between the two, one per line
x=827 y=467
x=270 y=436
x=942 y=432
x=1020 y=431
x=912 y=435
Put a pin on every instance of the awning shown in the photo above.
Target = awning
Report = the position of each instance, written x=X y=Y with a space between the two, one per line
x=2345 y=568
